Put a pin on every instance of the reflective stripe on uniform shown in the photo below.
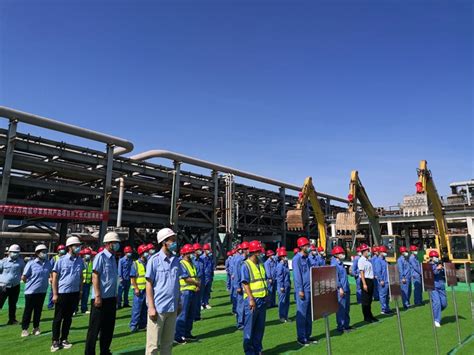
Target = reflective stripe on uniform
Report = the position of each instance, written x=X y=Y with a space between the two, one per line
x=191 y=269
x=141 y=271
x=258 y=284
x=87 y=272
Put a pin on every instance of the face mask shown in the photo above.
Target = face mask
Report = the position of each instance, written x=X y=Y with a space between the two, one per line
x=405 y=254
x=145 y=254
x=369 y=254
x=275 y=257
x=62 y=252
x=260 y=259
x=42 y=255
x=285 y=259
x=14 y=255
x=415 y=253
x=241 y=251
x=314 y=252
x=129 y=255
x=152 y=251
x=360 y=254
x=76 y=250
x=308 y=250
x=341 y=256
x=436 y=260
x=87 y=257
x=209 y=254
x=172 y=246
x=193 y=256
x=384 y=254
x=115 y=247
x=322 y=253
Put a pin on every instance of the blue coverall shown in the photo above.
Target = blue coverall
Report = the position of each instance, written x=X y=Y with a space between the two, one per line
x=237 y=268
x=343 y=318
x=233 y=300
x=184 y=321
x=438 y=295
x=283 y=282
x=301 y=270
x=313 y=261
x=139 y=306
x=380 y=272
x=254 y=324
x=270 y=271
x=208 y=278
x=124 y=267
x=404 y=269
x=416 y=278
x=374 y=260
x=355 y=273
x=199 y=264
x=228 y=273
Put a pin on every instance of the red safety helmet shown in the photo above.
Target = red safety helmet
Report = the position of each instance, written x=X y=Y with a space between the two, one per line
x=302 y=241
x=282 y=252
x=434 y=254
x=128 y=249
x=382 y=249
x=320 y=249
x=229 y=253
x=337 y=250
x=186 y=249
x=245 y=245
x=100 y=249
x=375 y=249
x=142 y=248
x=150 y=246
x=403 y=249
x=93 y=253
x=364 y=247
x=313 y=247
x=206 y=246
x=61 y=247
x=197 y=246
x=270 y=252
x=296 y=251
x=87 y=251
x=358 y=249
x=413 y=248
x=254 y=246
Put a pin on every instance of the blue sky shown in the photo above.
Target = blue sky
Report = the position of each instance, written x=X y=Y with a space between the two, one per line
x=285 y=89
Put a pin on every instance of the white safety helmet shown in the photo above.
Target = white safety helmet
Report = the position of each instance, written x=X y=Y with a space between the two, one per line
x=14 y=248
x=164 y=234
x=72 y=241
x=111 y=237
x=41 y=247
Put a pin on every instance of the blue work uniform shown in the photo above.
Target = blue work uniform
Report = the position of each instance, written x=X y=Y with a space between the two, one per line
x=343 y=318
x=237 y=268
x=254 y=321
x=124 y=268
x=320 y=260
x=227 y=272
x=380 y=273
x=208 y=278
x=313 y=261
x=438 y=295
x=270 y=271
x=416 y=279
x=301 y=270
x=184 y=322
x=233 y=300
x=139 y=307
x=199 y=264
x=283 y=285
x=374 y=260
x=404 y=269
x=69 y=271
x=355 y=273
x=52 y=261
x=37 y=274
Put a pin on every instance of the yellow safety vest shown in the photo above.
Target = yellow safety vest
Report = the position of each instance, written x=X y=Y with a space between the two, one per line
x=87 y=272
x=140 y=279
x=191 y=269
x=258 y=284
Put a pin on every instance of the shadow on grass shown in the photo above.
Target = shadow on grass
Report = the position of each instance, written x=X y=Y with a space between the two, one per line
x=131 y=352
x=218 y=332
x=283 y=348
x=450 y=319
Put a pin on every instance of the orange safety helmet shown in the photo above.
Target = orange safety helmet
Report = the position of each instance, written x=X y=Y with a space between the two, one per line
x=337 y=250
x=302 y=241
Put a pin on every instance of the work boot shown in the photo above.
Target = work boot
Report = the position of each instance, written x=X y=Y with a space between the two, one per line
x=36 y=331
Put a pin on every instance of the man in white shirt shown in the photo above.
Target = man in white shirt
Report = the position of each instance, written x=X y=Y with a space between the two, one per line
x=367 y=283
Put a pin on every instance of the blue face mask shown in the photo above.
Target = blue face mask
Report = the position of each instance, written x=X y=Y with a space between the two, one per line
x=152 y=251
x=62 y=252
x=173 y=246
x=76 y=250
x=14 y=255
x=42 y=255
x=115 y=247
x=209 y=254
x=308 y=250
x=129 y=255
x=145 y=254
x=87 y=258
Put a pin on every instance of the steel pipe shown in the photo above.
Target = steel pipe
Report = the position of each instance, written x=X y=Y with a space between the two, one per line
x=225 y=169
x=123 y=145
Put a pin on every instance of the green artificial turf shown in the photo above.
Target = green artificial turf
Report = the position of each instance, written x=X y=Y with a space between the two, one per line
x=218 y=335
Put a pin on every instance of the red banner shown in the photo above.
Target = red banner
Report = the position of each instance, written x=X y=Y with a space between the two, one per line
x=53 y=213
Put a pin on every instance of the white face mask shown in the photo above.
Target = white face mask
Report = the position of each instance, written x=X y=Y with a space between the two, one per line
x=405 y=254
x=341 y=256
x=359 y=253
x=435 y=260
x=384 y=254
x=415 y=253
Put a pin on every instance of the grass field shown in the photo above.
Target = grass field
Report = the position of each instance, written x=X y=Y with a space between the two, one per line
x=218 y=335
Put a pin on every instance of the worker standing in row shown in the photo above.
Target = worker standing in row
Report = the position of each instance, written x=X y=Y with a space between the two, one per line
x=189 y=286
x=87 y=279
x=138 y=282
x=416 y=276
x=199 y=263
x=124 y=267
x=208 y=275
x=301 y=271
x=438 y=295
x=67 y=282
x=283 y=285
x=404 y=269
x=227 y=272
x=255 y=292
x=321 y=257
x=230 y=267
x=381 y=275
x=270 y=270
x=313 y=257
x=374 y=260
x=343 y=291
x=60 y=250
x=11 y=269
x=36 y=276
x=366 y=274
x=244 y=250
x=162 y=293
x=355 y=273
x=104 y=296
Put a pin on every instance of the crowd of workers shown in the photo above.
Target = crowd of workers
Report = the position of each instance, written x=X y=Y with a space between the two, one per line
x=169 y=291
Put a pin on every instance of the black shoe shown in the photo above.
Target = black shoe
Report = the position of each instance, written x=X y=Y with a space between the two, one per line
x=340 y=331
x=375 y=320
x=66 y=345
x=12 y=322
x=180 y=341
x=191 y=338
x=55 y=346
x=368 y=320
x=312 y=340
x=283 y=320
x=126 y=306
